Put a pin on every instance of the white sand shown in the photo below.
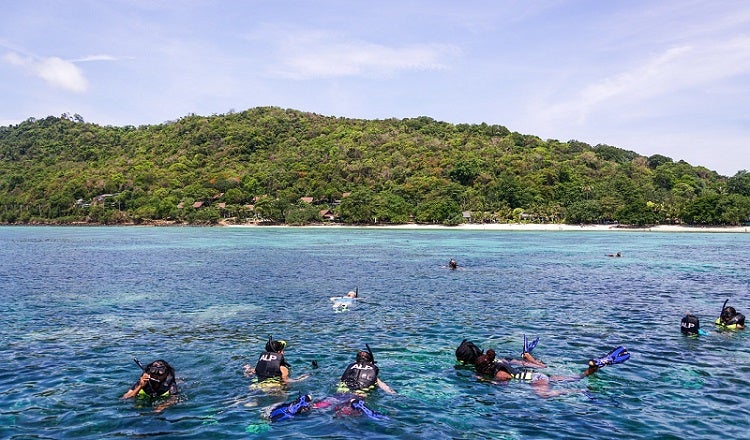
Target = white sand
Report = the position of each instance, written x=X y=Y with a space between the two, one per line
x=536 y=227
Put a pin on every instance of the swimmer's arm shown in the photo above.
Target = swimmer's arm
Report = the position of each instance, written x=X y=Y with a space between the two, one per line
x=249 y=371
x=384 y=386
x=284 y=373
x=298 y=379
x=169 y=402
x=137 y=386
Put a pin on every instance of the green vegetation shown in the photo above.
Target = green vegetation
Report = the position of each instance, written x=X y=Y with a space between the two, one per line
x=259 y=165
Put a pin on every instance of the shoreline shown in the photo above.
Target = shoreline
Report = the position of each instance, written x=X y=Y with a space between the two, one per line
x=526 y=227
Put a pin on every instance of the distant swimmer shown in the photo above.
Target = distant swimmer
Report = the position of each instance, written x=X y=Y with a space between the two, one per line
x=730 y=318
x=452 y=264
x=690 y=325
x=342 y=303
x=619 y=254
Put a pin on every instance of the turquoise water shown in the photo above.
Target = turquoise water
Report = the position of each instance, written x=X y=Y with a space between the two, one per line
x=78 y=303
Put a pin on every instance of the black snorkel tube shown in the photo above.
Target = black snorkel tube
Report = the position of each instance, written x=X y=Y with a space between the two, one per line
x=723 y=306
x=369 y=350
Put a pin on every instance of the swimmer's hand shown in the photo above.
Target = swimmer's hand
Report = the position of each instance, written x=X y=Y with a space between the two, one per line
x=249 y=371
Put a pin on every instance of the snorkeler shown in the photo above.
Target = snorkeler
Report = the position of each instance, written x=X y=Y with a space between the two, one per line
x=690 y=325
x=467 y=354
x=342 y=303
x=361 y=376
x=272 y=367
x=157 y=382
x=452 y=264
x=730 y=318
x=487 y=365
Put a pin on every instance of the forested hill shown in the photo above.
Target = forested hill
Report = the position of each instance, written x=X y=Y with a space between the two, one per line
x=286 y=166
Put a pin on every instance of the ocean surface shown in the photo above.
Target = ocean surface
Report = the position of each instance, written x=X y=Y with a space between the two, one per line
x=79 y=303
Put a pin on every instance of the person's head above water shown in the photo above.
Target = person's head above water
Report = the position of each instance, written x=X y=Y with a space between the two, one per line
x=273 y=346
x=365 y=356
x=689 y=325
x=158 y=369
x=467 y=352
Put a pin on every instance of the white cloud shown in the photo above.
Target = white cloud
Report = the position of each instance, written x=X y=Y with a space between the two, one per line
x=96 y=58
x=53 y=70
x=322 y=55
x=674 y=70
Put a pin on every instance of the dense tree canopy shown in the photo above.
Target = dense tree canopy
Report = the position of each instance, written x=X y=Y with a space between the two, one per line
x=285 y=166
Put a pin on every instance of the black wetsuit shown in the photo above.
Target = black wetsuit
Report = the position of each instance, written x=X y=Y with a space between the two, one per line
x=360 y=375
x=269 y=365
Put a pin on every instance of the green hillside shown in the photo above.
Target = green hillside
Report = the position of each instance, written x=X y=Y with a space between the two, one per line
x=286 y=166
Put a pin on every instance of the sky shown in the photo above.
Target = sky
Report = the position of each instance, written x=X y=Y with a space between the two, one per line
x=668 y=77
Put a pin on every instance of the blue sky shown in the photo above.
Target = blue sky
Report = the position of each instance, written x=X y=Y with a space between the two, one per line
x=667 y=77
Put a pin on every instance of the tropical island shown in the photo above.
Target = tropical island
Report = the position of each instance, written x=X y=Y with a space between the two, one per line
x=286 y=167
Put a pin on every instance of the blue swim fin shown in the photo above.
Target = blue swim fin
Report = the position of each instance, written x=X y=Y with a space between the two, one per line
x=616 y=356
x=289 y=410
x=528 y=346
x=359 y=404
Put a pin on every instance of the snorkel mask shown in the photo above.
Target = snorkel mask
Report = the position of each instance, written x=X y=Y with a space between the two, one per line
x=366 y=356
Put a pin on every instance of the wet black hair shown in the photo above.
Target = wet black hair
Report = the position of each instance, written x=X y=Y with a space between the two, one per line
x=727 y=313
x=467 y=352
x=689 y=325
x=366 y=356
x=273 y=346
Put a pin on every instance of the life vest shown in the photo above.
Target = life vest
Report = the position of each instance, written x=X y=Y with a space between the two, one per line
x=269 y=365
x=733 y=323
x=515 y=373
x=523 y=375
x=161 y=389
x=360 y=376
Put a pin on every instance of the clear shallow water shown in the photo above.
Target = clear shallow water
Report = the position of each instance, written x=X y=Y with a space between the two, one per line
x=77 y=304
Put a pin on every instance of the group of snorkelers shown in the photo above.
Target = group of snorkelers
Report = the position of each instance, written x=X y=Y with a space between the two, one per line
x=729 y=319
x=489 y=367
x=360 y=377
x=158 y=380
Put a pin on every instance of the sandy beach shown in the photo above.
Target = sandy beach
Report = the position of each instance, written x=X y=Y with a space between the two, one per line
x=535 y=227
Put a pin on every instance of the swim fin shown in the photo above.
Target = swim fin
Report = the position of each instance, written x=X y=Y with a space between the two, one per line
x=528 y=346
x=289 y=410
x=359 y=404
x=616 y=356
